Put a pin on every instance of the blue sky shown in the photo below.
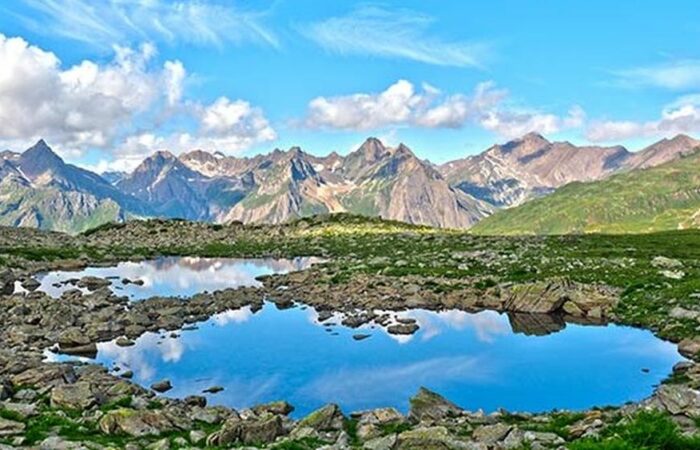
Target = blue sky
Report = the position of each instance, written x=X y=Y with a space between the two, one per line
x=107 y=82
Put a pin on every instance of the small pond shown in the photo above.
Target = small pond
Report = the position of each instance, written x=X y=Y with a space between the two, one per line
x=173 y=276
x=481 y=360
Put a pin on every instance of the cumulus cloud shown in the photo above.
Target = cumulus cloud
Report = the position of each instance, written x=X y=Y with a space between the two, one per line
x=681 y=116
x=400 y=34
x=225 y=126
x=105 y=22
x=91 y=105
x=515 y=123
x=401 y=104
x=83 y=105
x=675 y=75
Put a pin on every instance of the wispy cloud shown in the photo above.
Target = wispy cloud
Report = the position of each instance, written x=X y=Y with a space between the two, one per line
x=108 y=22
x=675 y=75
x=401 y=34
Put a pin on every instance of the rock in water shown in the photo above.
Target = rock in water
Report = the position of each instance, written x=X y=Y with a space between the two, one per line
x=162 y=386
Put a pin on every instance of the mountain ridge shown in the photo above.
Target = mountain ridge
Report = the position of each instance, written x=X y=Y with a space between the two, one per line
x=37 y=188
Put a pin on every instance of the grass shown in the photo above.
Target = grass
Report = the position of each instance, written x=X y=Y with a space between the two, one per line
x=665 y=197
x=646 y=431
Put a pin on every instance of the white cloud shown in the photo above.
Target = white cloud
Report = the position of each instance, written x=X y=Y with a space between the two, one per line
x=84 y=105
x=402 y=34
x=401 y=104
x=515 y=123
x=681 y=116
x=105 y=22
x=676 y=75
x=226 y=126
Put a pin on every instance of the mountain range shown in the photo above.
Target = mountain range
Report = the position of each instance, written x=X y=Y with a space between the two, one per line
x=38 y=189
x=654 y=198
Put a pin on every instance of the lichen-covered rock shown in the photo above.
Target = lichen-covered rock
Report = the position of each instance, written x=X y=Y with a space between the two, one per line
x=328 y=418
x=427 y=406
x=135 y=423
x=490 y=434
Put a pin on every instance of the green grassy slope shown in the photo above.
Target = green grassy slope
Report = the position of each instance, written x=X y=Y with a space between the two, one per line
x=665 y=197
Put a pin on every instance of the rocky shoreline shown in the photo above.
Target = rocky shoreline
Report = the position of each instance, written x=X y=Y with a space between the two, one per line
x=74 y=405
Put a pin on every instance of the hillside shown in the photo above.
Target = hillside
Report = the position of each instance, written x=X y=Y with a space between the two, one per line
x=665 y=197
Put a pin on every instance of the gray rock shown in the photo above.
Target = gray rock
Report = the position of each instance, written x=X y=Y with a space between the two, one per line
x=431 y=407
x=381 y=443
x=433 y=438
x=662 y=262
x=263 y=429
x=31 y=284
x=403 y=328
x=328 y=418
x=10 y=427
x=491 y=434
x=135 y=423
x=78 y=396
x=162 y=386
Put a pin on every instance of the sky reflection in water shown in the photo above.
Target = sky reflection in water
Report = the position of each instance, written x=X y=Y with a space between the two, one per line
x=484 y=360
x=177 y=276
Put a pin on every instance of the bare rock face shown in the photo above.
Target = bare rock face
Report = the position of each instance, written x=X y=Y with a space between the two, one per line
x=428 y=406
x=509 y=174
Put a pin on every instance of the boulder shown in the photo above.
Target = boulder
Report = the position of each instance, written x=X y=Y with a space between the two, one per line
x=136 y=423
x=7 y=282
x=328 y=418
x=92 y=283
x=31 y=284
x=679 y=400
x=433 y=438
x=662 y=262
x=280 y=408
x=371 y=423
x=491 y=434
x=381 y=443
x=403 y=328
x=690 y=347
x=260 y=430
x=78 y=396
x=73 y=337
x=162 y=386
x=6 y=389
x=560 y=295
x=431 y=407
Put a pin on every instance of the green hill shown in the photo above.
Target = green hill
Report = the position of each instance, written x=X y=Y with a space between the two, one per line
x=665 y=197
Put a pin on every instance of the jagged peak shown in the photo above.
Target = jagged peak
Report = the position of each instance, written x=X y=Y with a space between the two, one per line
x=41 y=150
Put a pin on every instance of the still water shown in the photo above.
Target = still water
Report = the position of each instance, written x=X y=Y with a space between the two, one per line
x=481 y=360
x=174 y=276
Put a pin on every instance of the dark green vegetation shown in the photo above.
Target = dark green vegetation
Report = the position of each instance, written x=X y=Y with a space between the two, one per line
x=645 y=431
x=665 y=197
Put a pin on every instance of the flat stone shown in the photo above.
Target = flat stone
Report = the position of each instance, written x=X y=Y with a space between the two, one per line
x=10 y=427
